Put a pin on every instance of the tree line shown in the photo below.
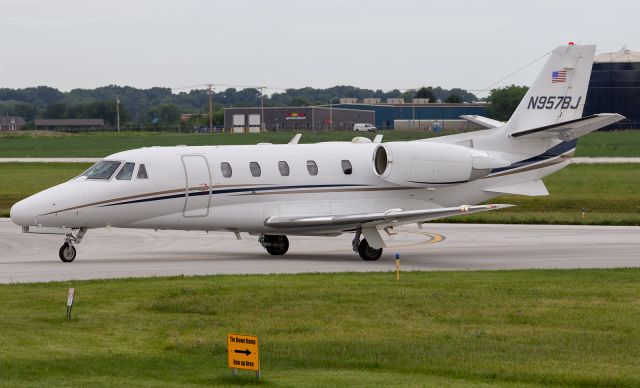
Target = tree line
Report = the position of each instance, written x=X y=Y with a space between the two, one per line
x=158 y=106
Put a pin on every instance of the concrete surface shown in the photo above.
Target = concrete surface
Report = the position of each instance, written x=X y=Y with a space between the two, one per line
x=119 y=253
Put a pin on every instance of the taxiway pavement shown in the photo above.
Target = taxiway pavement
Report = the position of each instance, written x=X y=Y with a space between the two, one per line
x=118 y=253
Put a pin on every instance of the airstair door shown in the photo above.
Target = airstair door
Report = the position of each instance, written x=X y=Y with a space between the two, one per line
x=198 y=186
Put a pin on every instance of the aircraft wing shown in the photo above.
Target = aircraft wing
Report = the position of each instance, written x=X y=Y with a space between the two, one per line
x=367 y=220
x=483 y=121
x=572 y=129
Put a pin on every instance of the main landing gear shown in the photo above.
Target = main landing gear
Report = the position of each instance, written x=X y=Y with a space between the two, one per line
x=364 y=250
x=67 y=251
x=276 y=245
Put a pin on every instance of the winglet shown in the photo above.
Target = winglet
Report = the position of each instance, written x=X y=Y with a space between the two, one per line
x=378 y=139
x=295 y=139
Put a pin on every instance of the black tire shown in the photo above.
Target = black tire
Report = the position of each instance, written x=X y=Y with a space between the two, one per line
x=277 y=245
x=367 y=253
x=67 y=253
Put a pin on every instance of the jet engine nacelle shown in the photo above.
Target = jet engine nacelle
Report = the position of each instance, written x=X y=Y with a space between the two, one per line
x=422 y=163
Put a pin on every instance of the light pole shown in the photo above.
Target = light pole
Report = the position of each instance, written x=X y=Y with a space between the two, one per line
x=262 y=126
x=413 y=109
x=210 y=107
x=331 y=113
x=118 y=113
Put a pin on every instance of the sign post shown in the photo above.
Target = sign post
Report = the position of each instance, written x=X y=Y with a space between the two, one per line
x=72 y=292
x=397 y=267
x=243 y=353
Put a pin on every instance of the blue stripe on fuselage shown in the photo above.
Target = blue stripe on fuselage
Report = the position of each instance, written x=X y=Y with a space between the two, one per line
x=548 y=154
x=227 y=191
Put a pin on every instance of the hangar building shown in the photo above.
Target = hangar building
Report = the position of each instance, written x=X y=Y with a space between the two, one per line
x=310 y=118
x=395 y=114
x=615 y=87
x=419 y=115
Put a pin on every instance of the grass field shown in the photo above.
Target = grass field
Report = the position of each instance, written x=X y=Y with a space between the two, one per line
x=47 y=144
x=20 y=180
x=610 y=193
x=574 y=328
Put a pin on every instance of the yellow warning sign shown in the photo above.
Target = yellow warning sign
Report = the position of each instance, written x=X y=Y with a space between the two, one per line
x=243 y=352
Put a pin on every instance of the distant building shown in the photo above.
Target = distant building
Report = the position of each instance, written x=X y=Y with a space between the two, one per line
x=310 y=118
x=614 y=87
x=68 y=124
x=414 y=116
x=11 y=123
x=403 y=116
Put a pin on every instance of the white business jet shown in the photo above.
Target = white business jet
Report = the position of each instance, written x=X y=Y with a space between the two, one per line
x=326 y=189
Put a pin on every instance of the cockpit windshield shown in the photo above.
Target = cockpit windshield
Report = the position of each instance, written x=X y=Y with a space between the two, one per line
x=102 y=170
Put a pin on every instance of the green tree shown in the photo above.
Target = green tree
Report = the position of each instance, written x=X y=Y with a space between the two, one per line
x=453 y=99
x=425 y=92
x=56 y=111
x=27 y=111
x=168 y=114
x=504 y=101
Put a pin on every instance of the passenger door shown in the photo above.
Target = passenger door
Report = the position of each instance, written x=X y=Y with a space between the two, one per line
x=198 y=186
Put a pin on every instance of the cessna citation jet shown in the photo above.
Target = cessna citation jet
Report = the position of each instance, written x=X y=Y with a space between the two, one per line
x=326 y=189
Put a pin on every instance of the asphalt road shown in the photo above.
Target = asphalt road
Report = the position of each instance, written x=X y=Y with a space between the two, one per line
x=120 y=253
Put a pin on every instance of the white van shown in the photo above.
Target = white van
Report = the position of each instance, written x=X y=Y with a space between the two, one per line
x=364 y=127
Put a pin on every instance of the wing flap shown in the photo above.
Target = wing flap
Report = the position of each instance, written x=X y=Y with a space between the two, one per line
x=532 y=189
x=389 y=217
x=570 y=130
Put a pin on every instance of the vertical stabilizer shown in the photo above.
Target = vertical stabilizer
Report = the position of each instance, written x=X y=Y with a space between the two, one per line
x=558 y=93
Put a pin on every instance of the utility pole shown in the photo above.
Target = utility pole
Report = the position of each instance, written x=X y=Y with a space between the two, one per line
x=262 y=126
x=413 y=109
x=210 y=107
x=118 y=113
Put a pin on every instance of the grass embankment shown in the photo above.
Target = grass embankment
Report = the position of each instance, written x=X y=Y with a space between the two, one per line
x=505 y=328
x=48 y=144
x=20 y=180
x=609 y=192
x=106 y=143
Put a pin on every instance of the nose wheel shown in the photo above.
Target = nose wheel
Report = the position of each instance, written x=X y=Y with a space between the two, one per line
x=67 y=253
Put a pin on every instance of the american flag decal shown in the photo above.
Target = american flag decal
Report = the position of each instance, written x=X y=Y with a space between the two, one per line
x=558 y=76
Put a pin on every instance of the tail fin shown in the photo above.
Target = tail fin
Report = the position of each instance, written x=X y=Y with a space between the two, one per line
x=559 y=92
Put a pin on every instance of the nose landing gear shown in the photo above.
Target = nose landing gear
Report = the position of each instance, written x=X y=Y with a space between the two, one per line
x=67 y=252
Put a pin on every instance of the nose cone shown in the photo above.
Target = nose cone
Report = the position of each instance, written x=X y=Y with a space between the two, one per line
x=22 y=213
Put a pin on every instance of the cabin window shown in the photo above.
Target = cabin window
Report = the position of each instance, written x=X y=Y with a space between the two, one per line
x=142 y=172
x=312 y=167
x=346 y=167
x=255 y=169
x=102 y=170
x=225 y=167
x=283 y=167
x=126 y=172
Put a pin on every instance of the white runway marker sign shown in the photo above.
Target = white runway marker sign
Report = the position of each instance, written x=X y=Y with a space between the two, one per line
x=72 y=292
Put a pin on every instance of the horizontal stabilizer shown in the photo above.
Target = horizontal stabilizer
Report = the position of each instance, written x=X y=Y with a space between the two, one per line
x=483 y=121
x=570 y=130
x=389 y=217
x=532 y=189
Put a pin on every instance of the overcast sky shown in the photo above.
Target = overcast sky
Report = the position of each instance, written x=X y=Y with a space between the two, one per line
x=373 y=44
